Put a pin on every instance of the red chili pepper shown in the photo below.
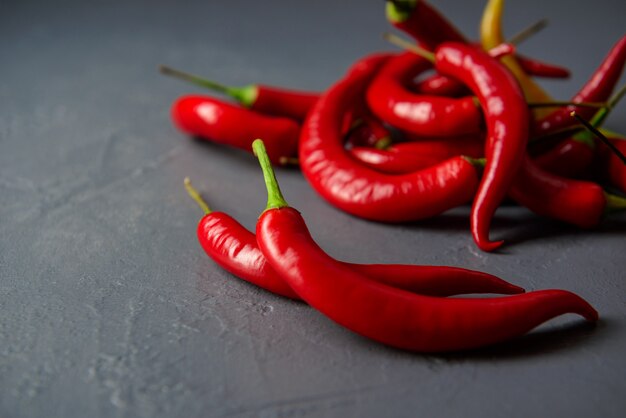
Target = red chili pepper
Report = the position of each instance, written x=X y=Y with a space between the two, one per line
x=423 y=22
x=235 y=249
x=573 y=156
x=581 y=203
x=597 y=89
x=441 y=85
x=407 y=157
x=232 y=125
x=429 y=28
x=393 y=316
x=507 y=119
x=390 y=100
x=538 y=68
x=362 y=191
x=274 y=101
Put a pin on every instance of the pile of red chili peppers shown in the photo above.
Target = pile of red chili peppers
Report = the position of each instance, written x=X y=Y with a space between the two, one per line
x=407 y=136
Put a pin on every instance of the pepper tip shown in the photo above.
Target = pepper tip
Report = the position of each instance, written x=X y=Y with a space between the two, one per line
x=489 y=246
x=516 y=290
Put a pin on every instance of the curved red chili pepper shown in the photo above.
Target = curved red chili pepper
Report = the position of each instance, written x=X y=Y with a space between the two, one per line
x=362 y=191
x=581 y=203
x=507 y=119
x=407 y=157
x=235 y=249
x=390 y=100
x=597 y=89
x=232 y=125
x=393 y=316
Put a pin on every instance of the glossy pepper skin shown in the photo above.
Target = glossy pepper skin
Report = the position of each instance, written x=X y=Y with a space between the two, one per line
x=362 y=191
x=429 y=28
x=581 y=203
x=389 y=98
x=393 y=316
x=507 y=119
x=235 y=126
x=423 y=22
x=386 y=314
x=597 y=89
x=235 y=249
x=407 y=157
x=440 y=85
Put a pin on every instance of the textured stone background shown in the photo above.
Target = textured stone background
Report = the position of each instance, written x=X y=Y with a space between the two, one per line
x=108 y=306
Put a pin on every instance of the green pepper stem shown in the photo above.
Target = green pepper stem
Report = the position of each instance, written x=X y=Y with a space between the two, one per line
x=404 y=44
x=195 y=195
x=246 y=95
x=527 y=32
x=600 y=136
x=614 y=202
x=275 y=199
x=476 y=162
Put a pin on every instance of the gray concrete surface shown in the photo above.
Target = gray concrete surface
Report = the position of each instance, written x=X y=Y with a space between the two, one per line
x=109 y=307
